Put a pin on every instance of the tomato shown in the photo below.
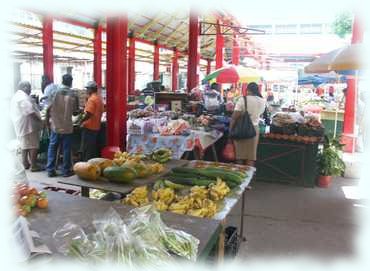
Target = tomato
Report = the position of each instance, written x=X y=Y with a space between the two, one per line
x=32 y=191
x=23 y=200
x=42 y=194
x=23 y=190
x=27 y=209
x=42 y=203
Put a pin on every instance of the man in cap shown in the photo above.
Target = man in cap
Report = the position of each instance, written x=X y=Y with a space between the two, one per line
x=62 y=106
x=27 y=123
x=91 y=122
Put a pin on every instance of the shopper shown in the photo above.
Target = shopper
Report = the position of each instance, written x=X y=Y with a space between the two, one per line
x=91 y=122
x=59 y=117
x=246 y=149
x=27 y=123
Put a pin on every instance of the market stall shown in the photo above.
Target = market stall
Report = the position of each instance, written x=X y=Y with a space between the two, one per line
x=191 y=188
x=148 y=130
x=288 y=153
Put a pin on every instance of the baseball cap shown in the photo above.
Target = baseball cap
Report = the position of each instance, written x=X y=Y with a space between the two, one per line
x=91 y=84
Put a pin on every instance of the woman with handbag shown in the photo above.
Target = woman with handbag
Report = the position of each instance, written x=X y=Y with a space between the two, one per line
x=244 y=125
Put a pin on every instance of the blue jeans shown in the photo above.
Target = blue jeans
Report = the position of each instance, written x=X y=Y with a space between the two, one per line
x=55 y=140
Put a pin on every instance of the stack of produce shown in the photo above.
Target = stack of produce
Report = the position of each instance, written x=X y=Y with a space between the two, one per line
x=161 y=155
x=293 y=138
x=205 y=176
x=139 y=240
x=25 y=198
x=200 y=201
x=175 y=127
x=141 y=113
x=283 y=123
x=138 y=197
x=124 y=168
x=311 y=127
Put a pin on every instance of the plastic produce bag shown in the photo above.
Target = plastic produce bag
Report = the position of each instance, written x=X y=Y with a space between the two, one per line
x=71 y=240
x=122 y=245
x=113 y=240
x=146 y=222
x=228 y=152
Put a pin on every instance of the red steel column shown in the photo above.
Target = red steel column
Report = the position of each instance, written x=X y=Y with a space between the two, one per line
x=219 y=48
x=117 y=28
x=47 y=45
x=98 y=56
x=193 y=51
x=208 y=66
x=131 y=65
x=175 y=70
x=348 y=136
x=235 y=51
x=156 y=62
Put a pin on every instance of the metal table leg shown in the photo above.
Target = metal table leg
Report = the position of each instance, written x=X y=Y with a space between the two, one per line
x=85 y=191
x=241 y=233
x=221 y=243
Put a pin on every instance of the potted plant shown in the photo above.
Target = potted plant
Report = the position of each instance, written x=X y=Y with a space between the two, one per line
x=330 y=162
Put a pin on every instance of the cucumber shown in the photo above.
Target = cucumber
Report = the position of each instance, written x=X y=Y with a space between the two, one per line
x=236 y=173
x=183 y=175
x=191 y=181
x=226 y=176
x=230 y=178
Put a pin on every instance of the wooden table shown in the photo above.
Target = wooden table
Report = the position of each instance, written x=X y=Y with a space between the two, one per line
x=65 y=208
x=117 y=187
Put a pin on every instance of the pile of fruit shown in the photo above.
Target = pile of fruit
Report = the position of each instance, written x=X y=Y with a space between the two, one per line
x=138 y=197
x=204 y=120
x=162 y=155
x=205 y=176
x=26 y=198
x=124 y=168
x=294 y=138
x=227 y=166
x=175 y=127
x=200 y=201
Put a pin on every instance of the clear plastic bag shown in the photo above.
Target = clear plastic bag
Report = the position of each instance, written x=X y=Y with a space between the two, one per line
x=146 y=222
x=113 y=240
x=71 y=240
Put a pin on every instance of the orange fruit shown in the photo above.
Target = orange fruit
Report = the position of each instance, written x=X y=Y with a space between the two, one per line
x=42 y=203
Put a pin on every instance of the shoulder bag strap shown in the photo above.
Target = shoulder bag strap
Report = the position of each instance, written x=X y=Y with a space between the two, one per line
x=245 y=104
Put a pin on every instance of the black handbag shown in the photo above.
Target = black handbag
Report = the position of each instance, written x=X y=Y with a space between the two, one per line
x=243 y=128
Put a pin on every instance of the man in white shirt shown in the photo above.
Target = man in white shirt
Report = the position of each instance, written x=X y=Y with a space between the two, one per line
x=27 y=124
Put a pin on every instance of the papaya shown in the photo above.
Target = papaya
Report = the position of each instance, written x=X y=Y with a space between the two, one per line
x=122 y=174
x=87 y=171
x=101 y=162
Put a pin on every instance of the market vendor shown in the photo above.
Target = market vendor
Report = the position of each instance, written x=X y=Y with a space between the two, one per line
x=91 y=122
x=27 y=123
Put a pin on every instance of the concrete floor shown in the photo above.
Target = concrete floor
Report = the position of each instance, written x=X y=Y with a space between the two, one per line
x=283 y=220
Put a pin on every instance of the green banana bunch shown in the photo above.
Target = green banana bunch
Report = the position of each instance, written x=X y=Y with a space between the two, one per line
x=161 y=155
x=160 y=184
